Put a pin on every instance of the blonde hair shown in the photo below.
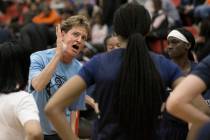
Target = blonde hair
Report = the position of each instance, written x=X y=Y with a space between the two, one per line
x=77 y=20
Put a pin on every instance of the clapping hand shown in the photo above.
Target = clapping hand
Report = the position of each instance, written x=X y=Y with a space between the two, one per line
x=60 y=45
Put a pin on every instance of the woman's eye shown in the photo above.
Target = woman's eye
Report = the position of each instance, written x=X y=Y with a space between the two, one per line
x=75 y=34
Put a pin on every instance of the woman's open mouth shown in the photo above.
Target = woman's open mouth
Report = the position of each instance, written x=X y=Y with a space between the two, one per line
x=75 y=47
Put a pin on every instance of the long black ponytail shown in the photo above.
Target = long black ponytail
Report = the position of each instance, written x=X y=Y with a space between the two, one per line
x=137 y=100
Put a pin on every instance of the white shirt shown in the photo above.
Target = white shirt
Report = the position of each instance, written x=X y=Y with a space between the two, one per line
x=16 y=109
x=99 y=33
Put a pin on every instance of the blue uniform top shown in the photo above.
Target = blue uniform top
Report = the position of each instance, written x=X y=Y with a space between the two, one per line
x=102 y=70
x=202 y=71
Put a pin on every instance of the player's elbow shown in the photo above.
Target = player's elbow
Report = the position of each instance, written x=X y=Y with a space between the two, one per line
x=33 y=130
x=172 y=105
x=37 y=86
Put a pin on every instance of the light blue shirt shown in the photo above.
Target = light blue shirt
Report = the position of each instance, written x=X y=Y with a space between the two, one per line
x=63 y=72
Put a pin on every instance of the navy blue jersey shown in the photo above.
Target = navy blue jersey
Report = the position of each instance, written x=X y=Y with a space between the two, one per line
x=102 y=71
x=203 y=71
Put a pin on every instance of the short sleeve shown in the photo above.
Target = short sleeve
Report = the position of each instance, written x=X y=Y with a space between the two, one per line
x=88 y=71
x=26 y=109
x=202 y=70
x=37 y=65
x=169 y=71
x=174 y=71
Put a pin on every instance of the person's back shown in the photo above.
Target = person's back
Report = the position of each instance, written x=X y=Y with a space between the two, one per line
x=13 y=116
x=19 y=117
x=106 y=67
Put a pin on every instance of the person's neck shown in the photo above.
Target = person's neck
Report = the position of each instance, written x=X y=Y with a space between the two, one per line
x=183 y=63
x=67 y=60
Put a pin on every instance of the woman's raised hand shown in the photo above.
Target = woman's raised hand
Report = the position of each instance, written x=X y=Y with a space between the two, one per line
x=59 y=42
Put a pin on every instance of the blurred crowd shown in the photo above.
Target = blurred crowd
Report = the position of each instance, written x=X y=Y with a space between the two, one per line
x=37 y=18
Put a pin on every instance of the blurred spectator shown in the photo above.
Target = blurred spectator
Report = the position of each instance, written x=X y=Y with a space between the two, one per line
x=67 y=12
x=203 y=41
x=108 y=8
x=186 y=10
x=57 y=4
x=9 y=11
x=5 y=35
x=159 y=20
x=37 y=37
x=111 y=42
x=90 y=50
x=202 y=11
x=47 y=16
x=160 y=26
x=172 y=13
x=32 y=11
x=99 y=29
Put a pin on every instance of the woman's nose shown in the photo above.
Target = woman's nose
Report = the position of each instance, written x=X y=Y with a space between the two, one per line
x=79 y=39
